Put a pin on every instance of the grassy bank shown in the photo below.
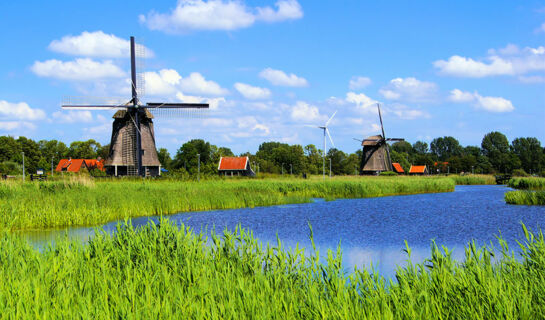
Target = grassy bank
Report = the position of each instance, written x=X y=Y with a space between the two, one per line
x=531 y=191
x=80 y=202
x=474 y=179
x=525 y=197
x=166 y=272
x=527 y=183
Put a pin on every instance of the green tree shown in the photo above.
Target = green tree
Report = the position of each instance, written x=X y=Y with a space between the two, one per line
x=164 y=158
x=186 y=157
x=402 y=147
x=495 y=146
x=84 y=149
x=445 y=147
x=420 y=147
x=529 y=152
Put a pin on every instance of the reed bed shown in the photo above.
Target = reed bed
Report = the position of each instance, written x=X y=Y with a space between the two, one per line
x=525 y=197
x=85 y=202
x=474 y=179
x=527 y=183
x=169 y=272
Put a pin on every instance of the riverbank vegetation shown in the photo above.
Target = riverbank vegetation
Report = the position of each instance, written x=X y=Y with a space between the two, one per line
x=531 y=191
x=166 y=272
x=81 y=201
x=473 y=179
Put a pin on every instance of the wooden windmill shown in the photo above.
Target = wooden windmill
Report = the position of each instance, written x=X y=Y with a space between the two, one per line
x=132 y=146
x=376 y=153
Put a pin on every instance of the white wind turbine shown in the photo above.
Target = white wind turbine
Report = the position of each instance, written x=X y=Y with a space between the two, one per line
x=326 y=131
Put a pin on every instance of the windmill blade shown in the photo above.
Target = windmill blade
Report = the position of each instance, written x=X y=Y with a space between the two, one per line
x=395 y=139
x=358 y=139
x=328 y=121
x=92 y=107
x=152 y=105
x=327 y=131
x=381 y=125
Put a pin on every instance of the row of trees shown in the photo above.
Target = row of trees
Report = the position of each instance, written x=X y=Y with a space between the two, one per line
x=495 y=155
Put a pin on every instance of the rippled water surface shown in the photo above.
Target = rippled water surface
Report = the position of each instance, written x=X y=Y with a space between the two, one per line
x=373 y=229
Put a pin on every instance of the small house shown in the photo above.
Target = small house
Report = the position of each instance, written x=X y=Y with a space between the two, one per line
x=235 y=166
x=419 y=170
x=75 y=165
x=398 y=168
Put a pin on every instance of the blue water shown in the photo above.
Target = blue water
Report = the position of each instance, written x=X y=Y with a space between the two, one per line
x=371 y=230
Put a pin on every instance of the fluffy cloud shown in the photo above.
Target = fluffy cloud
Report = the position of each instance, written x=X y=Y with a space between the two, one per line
x=197 y=84
x=16 y=125
x=406 y=113
x=213 y=102
x=357 y=83
x=73 y=116
x=280 y=78
x=508 y=61
x=304 y=111
x=218 y=15
x=251 y=92
x=95 y=44
x=169 y=81
x=362 y=102
x=409 y=89
x=492 y=104
x=20 y=111
x=79 y=69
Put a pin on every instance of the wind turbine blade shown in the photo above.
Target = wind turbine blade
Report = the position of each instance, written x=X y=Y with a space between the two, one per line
x=381 y=125
x=326 y=130
x=311 y=126
x=328 y=121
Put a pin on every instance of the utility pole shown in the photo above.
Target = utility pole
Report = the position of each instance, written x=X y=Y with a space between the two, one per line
x=282 y=168
x=448 y=170
x=472 y=170
x=23 y=166
x=198 y=167
x=291 y=169
x=51 y=167
x=330 y=167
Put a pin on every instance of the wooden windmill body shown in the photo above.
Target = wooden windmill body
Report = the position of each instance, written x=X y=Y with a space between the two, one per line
x=375 y=156
x=132 y=146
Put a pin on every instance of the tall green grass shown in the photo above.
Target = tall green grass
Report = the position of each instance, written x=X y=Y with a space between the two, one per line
x=83 y=202
x=525 y=197
x=165 y=272
x=527 y=183
x=474 y=179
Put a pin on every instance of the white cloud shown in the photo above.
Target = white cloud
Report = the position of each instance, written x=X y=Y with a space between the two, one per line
x=304 y=111
x=95 y=44
x=491 y=104
x=362 y=102
x=251 y=92
x=409 y=89
x=169 y=81
x=508 y=61
x=20 y=111
x=406 y=113
x=287 y=10
x=197 y=84
x=73 y=116
x=541 y=28
x=218 y=15
x=15 y=125
x=357 y=83
x=280 y=78
x=79 y=69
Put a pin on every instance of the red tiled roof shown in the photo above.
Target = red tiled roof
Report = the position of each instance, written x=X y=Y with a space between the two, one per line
x=233 y=163
x=417 y=169
x=75 y=165
x=398 y=168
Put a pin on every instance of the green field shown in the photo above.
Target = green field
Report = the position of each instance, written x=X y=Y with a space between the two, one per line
x=85 y=202
x=166 y=272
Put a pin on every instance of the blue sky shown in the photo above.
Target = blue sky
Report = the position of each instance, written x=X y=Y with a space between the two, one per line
x=270 y=68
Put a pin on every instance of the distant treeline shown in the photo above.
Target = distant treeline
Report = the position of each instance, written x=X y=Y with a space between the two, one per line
x=445 y=154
